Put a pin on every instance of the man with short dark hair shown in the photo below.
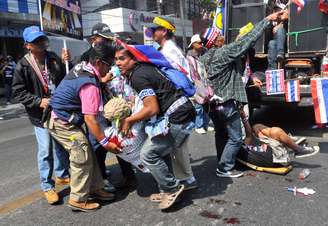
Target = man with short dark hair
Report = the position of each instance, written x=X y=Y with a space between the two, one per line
x=160 y=100
x=76 y=101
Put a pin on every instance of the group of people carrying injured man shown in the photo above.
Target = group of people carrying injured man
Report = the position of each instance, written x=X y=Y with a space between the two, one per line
x=75 y=105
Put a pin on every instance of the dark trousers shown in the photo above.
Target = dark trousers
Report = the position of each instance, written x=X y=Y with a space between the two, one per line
x=126 y=167
x=228 y=133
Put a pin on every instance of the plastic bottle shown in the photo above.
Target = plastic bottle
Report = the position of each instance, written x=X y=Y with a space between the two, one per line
x=304 y=174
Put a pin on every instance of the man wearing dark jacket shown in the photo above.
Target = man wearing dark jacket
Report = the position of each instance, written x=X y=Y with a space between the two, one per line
x=226 y=78
x=35 y=78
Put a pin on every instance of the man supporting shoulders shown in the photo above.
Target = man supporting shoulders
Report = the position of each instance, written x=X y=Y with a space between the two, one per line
x=161 y=99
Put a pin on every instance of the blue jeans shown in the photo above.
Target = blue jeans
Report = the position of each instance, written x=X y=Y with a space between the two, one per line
x=51 y=156
x=276 y=47
x=202 y=118
x=228 y=134
x=155 y=149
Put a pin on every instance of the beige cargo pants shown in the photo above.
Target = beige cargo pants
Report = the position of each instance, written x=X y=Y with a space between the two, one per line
x=85 y=173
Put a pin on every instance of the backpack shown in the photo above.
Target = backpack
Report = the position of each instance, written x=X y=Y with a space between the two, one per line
x=179 y=80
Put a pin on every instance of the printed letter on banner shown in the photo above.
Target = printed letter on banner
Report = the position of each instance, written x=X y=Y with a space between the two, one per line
x=275 y=81
x=319 y=88
x=292 y=91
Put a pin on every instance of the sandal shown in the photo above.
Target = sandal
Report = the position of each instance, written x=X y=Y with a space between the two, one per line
x=168 y=199
x=157 y=197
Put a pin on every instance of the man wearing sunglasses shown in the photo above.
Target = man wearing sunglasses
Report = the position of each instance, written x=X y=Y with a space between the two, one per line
x=78 y=100
x=35 y=78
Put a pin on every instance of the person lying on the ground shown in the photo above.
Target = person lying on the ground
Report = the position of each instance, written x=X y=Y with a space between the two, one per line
x=258 y=131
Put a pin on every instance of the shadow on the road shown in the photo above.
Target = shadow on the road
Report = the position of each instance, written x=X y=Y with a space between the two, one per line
x=303 y=165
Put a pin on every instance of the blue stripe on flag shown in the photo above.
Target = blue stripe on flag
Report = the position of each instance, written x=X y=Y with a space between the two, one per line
x=324 y=84
x=22 y=6
x=274 y=81
x=292 y=91
x=4 y=6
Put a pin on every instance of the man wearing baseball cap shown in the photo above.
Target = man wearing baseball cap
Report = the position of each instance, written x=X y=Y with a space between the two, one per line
x=163 y=32
x=100 y=33
x=36 y=76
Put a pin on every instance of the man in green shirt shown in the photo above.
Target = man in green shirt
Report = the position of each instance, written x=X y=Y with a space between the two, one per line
x=226 y=78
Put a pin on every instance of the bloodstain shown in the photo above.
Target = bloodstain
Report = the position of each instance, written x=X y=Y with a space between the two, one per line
x=232 y=220
x=288 y=179
x=218 y=201
x=237 y=203
x=208 y=214
x=251 y=174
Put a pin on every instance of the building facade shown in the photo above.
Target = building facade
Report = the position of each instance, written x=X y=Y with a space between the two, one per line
x=128 y=17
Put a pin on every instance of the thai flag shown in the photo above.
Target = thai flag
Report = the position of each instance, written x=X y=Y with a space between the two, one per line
x=319 y=88
x=292 y=91
x=148 y=54
x=300 y=4
x=275 y=82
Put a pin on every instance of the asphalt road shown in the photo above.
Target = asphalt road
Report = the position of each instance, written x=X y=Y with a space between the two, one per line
x=255 y=199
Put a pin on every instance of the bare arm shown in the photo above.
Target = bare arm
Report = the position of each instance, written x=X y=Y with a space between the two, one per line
x=95 y=129
x=150 y=109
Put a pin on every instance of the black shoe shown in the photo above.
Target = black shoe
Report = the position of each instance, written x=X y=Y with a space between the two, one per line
x=230 y=173
x=127 y=183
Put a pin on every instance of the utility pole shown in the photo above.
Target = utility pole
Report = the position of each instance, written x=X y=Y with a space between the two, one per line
x=182 y=17
x=159 y=4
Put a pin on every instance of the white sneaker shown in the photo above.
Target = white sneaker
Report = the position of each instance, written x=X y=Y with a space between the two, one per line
x=200 y=131
x=210 y=129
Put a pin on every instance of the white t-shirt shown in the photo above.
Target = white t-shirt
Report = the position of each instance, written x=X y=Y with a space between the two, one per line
x=175 y=57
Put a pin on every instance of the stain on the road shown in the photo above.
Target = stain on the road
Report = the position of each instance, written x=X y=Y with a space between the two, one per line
x=209 y=214
x=218 y=201
x=250 y=174
x=237 y=203
x=288 y=179
x=232 y=220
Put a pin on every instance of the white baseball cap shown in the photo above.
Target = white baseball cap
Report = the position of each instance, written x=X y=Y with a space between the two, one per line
x=194 y=38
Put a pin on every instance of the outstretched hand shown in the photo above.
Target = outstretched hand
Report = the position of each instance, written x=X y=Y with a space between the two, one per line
x=274 y=16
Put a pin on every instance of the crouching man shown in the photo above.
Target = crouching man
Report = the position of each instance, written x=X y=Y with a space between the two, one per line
x=160 y=98
x=76 y=101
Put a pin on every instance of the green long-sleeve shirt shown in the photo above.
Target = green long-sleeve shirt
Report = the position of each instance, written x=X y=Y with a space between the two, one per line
x=223 y=71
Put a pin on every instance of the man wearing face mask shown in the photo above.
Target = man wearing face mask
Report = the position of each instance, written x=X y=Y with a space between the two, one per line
x=35 y=78
x=100 y=33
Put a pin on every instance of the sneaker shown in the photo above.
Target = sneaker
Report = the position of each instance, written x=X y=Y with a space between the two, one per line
x=62 y=181
x=102 y=195
x=230 y=173
x=307 y=151
x=200 y=131
x=51 y=196
x=189 y=184
x=87 y=206
x=296 y=139
x=210 y=129
x=109 y=187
